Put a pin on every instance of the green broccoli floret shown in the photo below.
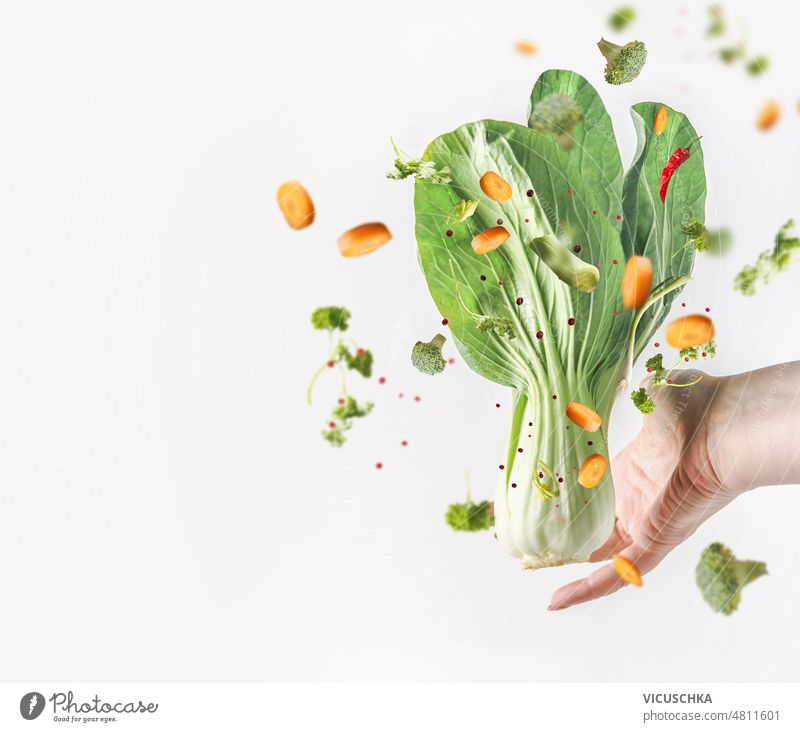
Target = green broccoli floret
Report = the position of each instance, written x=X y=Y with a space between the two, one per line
x=427 y=357
x=721 y=577
x=642 y=401
x=655 y=366
x=622 y=17
x=557 y=115
x=757 y=65
x=623 y=63
x=470 y=516
x=697 y=235
x=501 y=326
x=330 y=318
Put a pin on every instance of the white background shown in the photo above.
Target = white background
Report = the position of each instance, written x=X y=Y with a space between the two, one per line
x=169 y=511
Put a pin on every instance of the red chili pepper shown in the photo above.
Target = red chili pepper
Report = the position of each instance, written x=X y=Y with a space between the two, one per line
x=678 y=158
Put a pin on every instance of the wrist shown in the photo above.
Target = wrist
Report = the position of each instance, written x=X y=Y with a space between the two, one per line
x=752 y=428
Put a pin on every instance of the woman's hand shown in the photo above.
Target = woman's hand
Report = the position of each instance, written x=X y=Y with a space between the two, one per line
x=703 y=446
x=666 y=486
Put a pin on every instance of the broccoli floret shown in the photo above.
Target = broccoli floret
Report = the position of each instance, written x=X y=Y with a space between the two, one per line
x=330 y=318
x=698 y=235
x=427 y=357
x=557 y=115
x=721 y=577
x=470 y=516
x=642 y=401
x=501 y=326
x=623 y=63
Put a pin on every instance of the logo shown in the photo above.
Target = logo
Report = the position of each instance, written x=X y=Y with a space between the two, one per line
x=31 y=705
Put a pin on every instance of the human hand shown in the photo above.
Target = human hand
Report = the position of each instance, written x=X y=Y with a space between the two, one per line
x=666 y=486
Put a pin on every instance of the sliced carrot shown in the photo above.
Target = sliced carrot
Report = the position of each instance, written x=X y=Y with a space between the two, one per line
x=495 y=187
x=592 y=470
x=770 y=113
x=660 y=120
x=690 y=331
x=526 y=47
x=627 y=570
x=363 y=239
x=637 y=280
x=489 y=240
x=295 y=205
x=584 y=417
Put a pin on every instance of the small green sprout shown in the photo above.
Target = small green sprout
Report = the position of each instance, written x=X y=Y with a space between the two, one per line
x=697 y=352
x=462 y=211
x=361 y=361
x=427 y=356
x=716 y=26
x=757 y=65
x=342 y=417
x=730 y=54
x=330 y=318
x=769 y=262
x=469 y=516
x=721 y=577
x=642 y=401
x=406 y=166
x=623 y=63
x=622 y=17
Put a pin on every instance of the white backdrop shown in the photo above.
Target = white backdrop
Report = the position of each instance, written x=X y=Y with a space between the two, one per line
x=169 y=510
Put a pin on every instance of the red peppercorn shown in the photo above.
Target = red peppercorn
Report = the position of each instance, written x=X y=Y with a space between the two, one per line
x=539 y=334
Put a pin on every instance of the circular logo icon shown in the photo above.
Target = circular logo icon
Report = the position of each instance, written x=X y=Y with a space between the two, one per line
x=31 y=705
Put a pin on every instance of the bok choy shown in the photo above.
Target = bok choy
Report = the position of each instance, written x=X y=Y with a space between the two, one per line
x=573 y=220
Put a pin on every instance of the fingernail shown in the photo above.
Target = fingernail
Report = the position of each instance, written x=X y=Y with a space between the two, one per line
x=555 y=607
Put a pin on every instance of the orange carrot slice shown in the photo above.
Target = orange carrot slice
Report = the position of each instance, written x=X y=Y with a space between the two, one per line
x=592 y=470
x=526 y=47
x=770 y=113
x=295 y=205
x=495 y=187
x=363 y=239
x=584 y=417
x=660 y=120
x=627 y=570
x=690 y=331
x=637 y=280
x=489 y=240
